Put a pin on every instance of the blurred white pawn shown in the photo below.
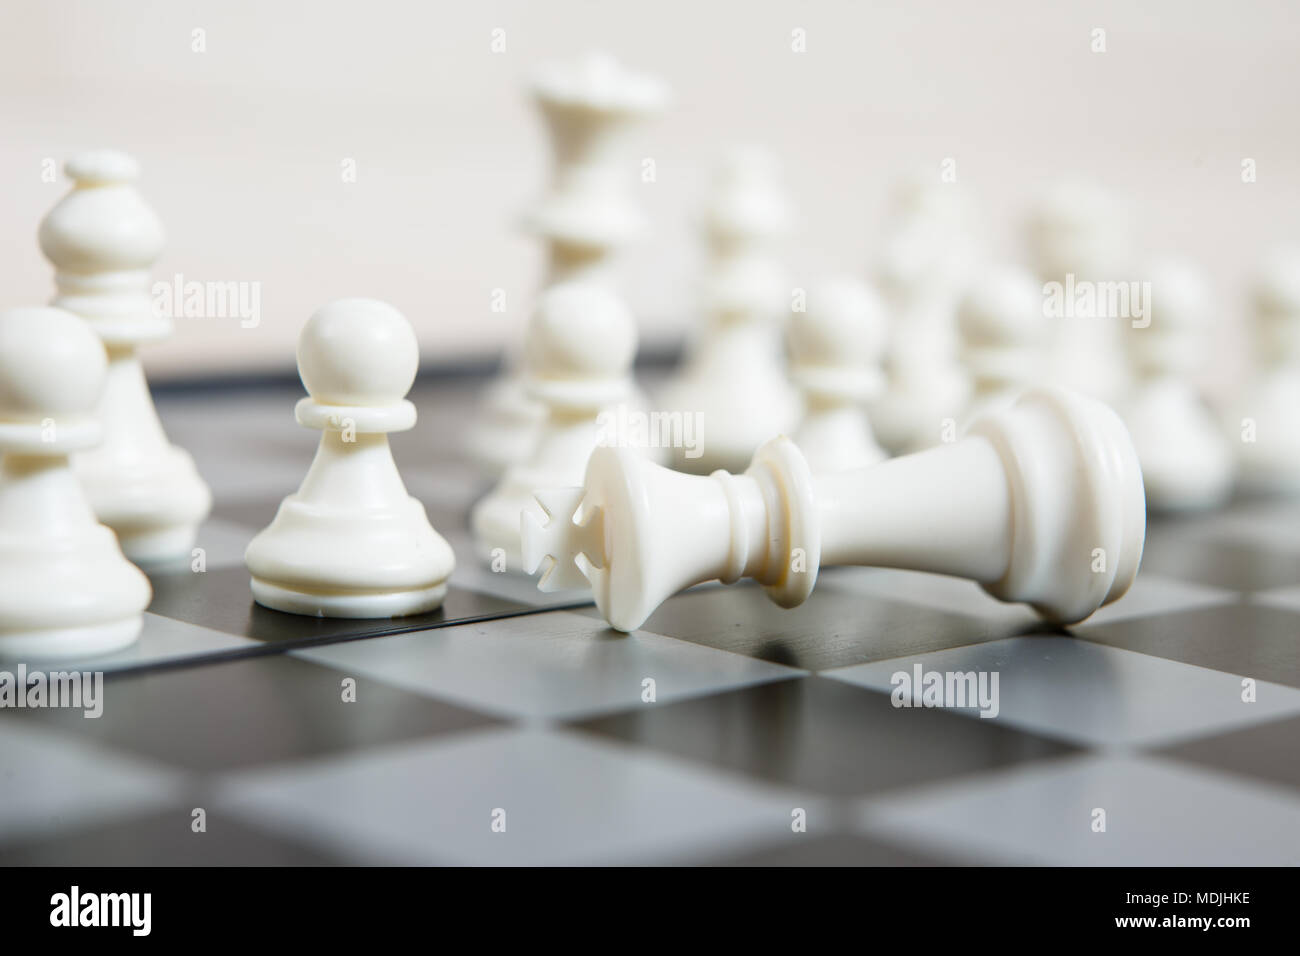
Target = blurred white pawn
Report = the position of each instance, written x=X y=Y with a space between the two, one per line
x=1079 y=237
x=1270 y=415
x=1186 y=461
x=579 y=351
x=1004 y=332
x=734 y=377
x=66 y=589
x=836 y=347
x=925 y=265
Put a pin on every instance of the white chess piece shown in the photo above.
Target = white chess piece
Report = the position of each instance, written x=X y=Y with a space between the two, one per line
x=1079 y=237
x=102 y=238
x=65 y=587
x=351 y=542
x=1186 y=460
x=1269 y=418
x=1004 y=335
x=836 y=347
x=1041 y=503
x=580 y=345
x=589 y=107
x=734 y=375
x=923 y=269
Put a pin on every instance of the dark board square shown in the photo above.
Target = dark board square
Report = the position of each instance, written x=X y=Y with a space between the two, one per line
x=1268 y=751
x=261 y=710
x=1212 y=560
x=835 y=627
x=167 y=839
x=825 y=736
x=220 y=599
x=1247 y=639
x=845 y=849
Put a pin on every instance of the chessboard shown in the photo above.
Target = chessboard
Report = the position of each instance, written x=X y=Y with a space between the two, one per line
x=514 y=727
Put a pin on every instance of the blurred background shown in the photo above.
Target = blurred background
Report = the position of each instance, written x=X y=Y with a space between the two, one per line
x=242 y=142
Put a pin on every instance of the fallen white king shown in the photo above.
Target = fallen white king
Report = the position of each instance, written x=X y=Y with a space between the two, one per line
x=1041 y=502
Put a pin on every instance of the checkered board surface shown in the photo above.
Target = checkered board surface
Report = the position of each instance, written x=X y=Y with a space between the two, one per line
x=509 y=700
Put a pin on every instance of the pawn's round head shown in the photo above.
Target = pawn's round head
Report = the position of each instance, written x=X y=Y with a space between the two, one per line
x=905 y=262
x=102 y=167
x=1079 y=227
x=103 y=225
x=358 y=352
x=580 y=332
x=52 y=365
x=922 y=196
x=1005 y=308
x=843 y=324
x=1072 y=202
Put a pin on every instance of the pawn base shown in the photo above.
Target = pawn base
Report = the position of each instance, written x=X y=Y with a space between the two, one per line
x=506 y=429
x=66 y=642
x=155 y=511
x=152 y=546
x=356 y=605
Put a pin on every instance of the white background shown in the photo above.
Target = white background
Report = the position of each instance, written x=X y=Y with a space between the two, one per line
x=241 y=145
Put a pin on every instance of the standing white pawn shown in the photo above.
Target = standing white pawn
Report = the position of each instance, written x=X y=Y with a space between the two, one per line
x=836 y=347
x=1004 y=338
x=1080 y=236
x=65 y=587
x=734 y=377
x=1187 y=463
x=351 y=542
x=579 y=348
x=102 y=238
x=1269 y=417
x=924 y=266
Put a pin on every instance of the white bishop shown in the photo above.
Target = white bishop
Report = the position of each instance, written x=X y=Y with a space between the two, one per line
x=102 y=238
